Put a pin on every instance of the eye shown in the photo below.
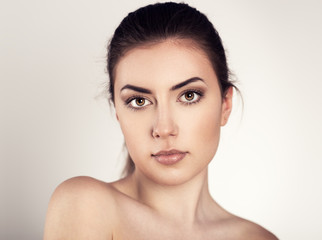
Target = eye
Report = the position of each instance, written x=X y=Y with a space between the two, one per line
x=138 y=102
x=190 y=97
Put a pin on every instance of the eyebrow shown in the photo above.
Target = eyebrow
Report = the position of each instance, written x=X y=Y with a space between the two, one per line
x=175 y=87
x=184 y=83
x=135 y=88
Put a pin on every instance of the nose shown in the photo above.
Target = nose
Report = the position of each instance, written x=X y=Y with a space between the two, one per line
x=164 y=125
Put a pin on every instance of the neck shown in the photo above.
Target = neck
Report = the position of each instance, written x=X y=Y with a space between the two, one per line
x=189 y=201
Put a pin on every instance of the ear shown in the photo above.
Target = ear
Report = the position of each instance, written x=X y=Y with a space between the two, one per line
x=226 y=106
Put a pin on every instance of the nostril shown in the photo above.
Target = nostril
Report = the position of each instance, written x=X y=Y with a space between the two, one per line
x=164 y=125
x=155 y=135
x=164 y=132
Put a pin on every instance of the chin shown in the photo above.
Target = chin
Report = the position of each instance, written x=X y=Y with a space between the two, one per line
x=175 y=177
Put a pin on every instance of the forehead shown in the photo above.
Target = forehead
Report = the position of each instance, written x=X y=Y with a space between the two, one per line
x=163 y=63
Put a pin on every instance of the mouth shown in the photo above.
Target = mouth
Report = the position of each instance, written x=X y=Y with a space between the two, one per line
x=169 y=157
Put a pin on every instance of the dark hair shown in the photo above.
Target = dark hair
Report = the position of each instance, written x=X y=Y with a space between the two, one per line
x=159 y=22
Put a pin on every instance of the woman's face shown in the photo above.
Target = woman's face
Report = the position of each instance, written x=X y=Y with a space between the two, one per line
x=170 y=110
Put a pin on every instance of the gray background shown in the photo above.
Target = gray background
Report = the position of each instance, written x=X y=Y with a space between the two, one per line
x=55 y=124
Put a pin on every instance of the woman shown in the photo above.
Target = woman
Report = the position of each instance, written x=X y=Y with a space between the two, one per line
x=170 y=86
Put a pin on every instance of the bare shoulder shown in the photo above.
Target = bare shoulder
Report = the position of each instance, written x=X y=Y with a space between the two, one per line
x=252 y=231
x=81 y=207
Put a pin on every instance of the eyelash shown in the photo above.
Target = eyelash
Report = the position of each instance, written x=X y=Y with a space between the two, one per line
x=134 y=97
x=194 y=91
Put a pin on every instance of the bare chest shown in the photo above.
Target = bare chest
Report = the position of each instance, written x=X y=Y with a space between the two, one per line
x=140 y=224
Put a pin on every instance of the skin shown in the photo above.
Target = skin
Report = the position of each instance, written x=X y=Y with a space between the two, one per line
x=157 y=201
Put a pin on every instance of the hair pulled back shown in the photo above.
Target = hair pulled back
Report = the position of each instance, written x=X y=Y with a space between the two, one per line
x=161 y=21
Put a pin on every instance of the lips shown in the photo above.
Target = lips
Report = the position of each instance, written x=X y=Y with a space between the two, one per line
x=169 y=157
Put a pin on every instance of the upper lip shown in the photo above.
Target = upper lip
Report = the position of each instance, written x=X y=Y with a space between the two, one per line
x=168 y=152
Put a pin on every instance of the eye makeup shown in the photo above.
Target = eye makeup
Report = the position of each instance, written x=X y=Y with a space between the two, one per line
x=186 y=97
x=196 y=93
x=137 y=100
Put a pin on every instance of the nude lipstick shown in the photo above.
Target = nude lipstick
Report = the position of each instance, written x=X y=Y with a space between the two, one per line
x=169 y=157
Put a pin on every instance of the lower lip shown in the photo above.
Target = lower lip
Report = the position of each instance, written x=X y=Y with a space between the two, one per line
x=170 y=159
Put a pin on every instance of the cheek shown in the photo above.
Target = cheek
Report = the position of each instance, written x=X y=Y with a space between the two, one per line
x=135 y=131
x=210 y=126
x=204 y=125
x=202 y=132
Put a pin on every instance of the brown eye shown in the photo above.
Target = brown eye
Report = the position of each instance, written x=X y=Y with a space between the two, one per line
x=189 y=96
x=140 y=101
